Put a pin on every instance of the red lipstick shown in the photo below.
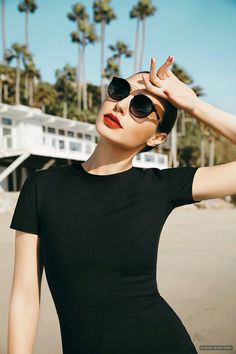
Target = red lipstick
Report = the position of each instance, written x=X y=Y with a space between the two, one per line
x=112 y=121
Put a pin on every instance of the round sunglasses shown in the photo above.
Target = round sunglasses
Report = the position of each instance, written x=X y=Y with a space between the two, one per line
x=140 y=105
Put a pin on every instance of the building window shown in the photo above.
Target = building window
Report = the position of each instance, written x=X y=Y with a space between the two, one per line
x=61 y=131
x=88 y=149
x=75 y=146
x=43 y=126
x=61 y=144
x=6 y=131
x=51 y=130
x=149 y=157
x=80 y=135
x=6 y=121
x=70 y=133
x=88 y=137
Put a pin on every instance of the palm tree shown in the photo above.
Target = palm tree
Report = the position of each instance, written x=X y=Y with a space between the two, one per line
x=91 y=39
x=146 y=10
x=77 y=15
x=2 y=80
x=141 y=11
x=65 y=78
x=119 y=49
x=188 y=80
x=27 y=6
x=33 y=75
x=45 y=96
x=134 y=13
x=104 y=14
x=89 y=36
x=112 y=68
x=204 y=131
x=7 y=75
x=3 y=30
x=17 y=52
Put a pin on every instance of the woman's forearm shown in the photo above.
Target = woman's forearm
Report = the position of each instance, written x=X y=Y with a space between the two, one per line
x=164 y=83
x=221 y=121
x=22 y=326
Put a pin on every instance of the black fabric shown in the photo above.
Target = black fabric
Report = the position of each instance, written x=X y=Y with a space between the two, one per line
x=26 y=211
x=99 y=237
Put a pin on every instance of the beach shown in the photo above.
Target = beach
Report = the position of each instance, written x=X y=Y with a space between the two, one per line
x=196 y=275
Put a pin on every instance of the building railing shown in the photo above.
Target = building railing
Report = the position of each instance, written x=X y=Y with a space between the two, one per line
x=54 y=143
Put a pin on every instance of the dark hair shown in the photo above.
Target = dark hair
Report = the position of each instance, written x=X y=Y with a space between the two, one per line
x=166 y=123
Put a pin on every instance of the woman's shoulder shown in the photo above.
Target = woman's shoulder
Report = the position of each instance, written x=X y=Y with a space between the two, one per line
x=48 y=173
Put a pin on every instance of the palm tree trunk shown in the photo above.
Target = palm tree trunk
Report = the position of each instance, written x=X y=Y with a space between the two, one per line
x=78 y=72
x=174 y=161
x=18 y=81
x=5 y=91
x=31 y=93
x=90 y=100
x=136 y=45
x=26 y=94
x=79 y=79
x=65 y=105
x=65 y=109
x=212 y=150
x=119 y=64
x=143 y=43
x=202 y=145
x=27 y=28
x=85 y=104
x=103 y=25
x=1 y=91
x=3 y=31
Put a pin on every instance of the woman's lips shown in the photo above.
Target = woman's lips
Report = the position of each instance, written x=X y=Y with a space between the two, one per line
x=111 y=123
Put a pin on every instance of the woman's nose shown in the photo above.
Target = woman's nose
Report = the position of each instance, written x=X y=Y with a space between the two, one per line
x=122 y=105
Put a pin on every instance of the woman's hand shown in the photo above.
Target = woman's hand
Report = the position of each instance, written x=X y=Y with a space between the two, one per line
x=165 y=84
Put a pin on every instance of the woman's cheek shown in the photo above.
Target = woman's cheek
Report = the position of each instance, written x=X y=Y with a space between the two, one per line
x=136 y=134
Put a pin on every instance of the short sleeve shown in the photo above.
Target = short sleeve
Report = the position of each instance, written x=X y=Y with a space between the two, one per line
x=179 y=182
x=25 y=216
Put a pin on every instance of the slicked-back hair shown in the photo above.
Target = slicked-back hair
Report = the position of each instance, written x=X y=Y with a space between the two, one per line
x=168 y=120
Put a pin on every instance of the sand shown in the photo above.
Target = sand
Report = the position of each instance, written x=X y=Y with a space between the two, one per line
x=196 y=274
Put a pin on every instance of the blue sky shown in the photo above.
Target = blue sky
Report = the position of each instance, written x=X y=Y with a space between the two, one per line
x=199 y=33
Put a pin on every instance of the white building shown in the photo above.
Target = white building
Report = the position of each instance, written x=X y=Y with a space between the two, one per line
x=31 y=140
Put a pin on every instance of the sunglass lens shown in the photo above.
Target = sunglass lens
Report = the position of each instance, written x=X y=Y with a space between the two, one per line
x=141 y=106
x=118 y=88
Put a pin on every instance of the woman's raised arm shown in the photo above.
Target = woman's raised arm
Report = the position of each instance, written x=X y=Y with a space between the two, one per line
x=24 y=302
x=209 y=181
x=165 y=84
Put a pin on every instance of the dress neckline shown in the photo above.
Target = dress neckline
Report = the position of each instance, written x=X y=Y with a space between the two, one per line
x=108 y=176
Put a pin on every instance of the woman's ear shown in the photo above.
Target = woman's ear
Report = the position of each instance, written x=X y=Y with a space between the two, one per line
x=157 y=139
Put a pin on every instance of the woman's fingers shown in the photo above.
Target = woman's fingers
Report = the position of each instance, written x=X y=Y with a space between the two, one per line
x=153 y=77
x=164 y=71
x=153 y=89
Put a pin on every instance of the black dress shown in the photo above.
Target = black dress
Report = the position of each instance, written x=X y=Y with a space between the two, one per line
x=99 y=239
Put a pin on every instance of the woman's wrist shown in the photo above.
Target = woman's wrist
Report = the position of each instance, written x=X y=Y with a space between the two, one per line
x=222 y=122
x=195 y=110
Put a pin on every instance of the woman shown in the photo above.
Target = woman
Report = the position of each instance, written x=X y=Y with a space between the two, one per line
x=98 y=223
